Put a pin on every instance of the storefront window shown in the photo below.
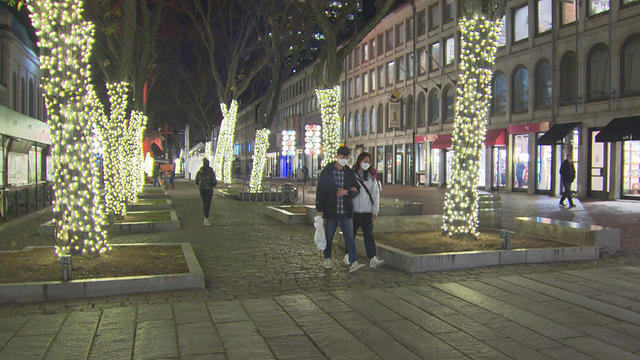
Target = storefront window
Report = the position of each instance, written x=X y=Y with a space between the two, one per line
x=631 y=169
x=421 y=163
x=544 y=171
x=499 y=167
x=435 y=166
x=521 y=161
x=597 y=163
x=409 y=161
x=449 y=165
x=398 y=163
x=573 y=144
x=380 y=163
x=482 y=180
x=388 y=172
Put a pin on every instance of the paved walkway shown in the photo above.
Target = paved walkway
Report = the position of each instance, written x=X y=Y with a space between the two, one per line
x=268 y=297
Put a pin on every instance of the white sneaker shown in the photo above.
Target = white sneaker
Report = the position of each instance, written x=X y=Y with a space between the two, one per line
x=374 y=262
x=327 y=263
x=345 y=259
x=206 y=222
x=355 y=267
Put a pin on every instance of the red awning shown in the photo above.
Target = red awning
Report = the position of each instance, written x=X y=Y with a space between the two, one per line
x=496 y=137
x=442 y=142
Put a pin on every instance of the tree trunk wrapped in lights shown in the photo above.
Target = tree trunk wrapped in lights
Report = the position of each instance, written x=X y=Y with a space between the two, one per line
x=329 y=100
x=65 y=42
x=232 y=117
x=134 y=177
x=223 y=157
x=259 y=160
x=478 y=37
x=112 y=129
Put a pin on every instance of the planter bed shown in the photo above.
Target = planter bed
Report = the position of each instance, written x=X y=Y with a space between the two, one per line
x=289 y=214
x=158 y=267
x=150 y=204
x=134 y=222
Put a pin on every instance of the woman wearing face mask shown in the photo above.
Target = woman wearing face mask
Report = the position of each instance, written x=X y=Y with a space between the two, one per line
x=366 y=205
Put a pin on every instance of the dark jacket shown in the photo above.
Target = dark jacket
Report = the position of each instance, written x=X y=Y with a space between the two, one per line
x=206 y=178
x=326 y=191
x=567 y=172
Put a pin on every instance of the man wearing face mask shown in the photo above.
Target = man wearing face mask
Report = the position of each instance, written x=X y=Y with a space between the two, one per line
x=337 y=186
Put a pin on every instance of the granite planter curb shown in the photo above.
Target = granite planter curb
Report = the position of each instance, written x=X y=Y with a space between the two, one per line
x=29 y=292
x=413 y=263
x=132 y=227
x=156 y=204
x=280 y=213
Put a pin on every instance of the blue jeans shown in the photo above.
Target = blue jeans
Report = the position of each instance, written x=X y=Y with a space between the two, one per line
x=346 y=224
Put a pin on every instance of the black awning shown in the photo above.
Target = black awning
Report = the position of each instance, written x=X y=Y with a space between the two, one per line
x=556 y=133
x=627 y=128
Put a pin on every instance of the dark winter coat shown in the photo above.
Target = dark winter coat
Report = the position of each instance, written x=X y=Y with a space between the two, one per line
x=206 y=178
x=326 y=192
x=567 y=172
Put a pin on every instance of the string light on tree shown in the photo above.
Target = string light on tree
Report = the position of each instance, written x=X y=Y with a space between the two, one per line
x=329 y=100
x=479 y=42
x=65 y=41
x=259 y=159
x=312 y=139
x=288 y=142
x=223 y=157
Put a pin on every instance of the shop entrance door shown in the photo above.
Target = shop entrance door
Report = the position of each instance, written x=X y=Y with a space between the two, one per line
x=499 y=168
x=598 y=179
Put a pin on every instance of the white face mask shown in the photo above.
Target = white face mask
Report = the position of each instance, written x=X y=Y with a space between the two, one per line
x=342 y=162
x=365 y=166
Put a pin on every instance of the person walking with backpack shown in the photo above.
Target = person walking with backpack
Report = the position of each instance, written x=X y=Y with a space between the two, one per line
x=567 y=175
x=366 y=205
x=206 y=180
x=337 y=186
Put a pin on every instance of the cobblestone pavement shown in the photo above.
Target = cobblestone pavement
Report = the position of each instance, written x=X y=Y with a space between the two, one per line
x=267 y=296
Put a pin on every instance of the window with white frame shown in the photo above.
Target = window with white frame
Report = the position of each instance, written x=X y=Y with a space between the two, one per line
x=521 y=23
x=544 y=16
x=450 y=51
x=598 y=6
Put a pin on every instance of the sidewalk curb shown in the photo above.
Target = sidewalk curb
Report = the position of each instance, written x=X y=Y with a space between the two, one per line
x=30 y=292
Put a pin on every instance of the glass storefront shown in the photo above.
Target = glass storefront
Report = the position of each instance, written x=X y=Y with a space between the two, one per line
x=598 y=167
x=449 y=157
x=631 y=169
x=409 y=161
x=544 y=169
x=483 y=177
x=388 y=171
x=435 y=166
x=421 y=163
x=499 y=167
x=399 y=162
x=572 y=143
x=520 y=162
x=380 y=163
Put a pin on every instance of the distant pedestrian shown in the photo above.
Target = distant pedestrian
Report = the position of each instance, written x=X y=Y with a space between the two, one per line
x=366 y=205
x=520 y=168
x=172 y=178
x=156 y=175
x=206 y=180
x=305 y=173
x=337 y=186
x=567 y=175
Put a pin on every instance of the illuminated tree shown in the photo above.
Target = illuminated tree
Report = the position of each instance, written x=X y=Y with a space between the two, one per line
x=111 y=129
x=479 y=30
x=232 y=43
x=133 y=174
x=335 y=18
x=259 y=159
x=65 y=41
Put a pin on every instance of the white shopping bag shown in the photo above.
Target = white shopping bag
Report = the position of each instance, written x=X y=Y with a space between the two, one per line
x=319 y=237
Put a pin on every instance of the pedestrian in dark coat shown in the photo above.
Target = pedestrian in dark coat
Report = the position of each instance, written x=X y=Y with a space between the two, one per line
x=337 y=185
x=567 y=175
x=206 y=180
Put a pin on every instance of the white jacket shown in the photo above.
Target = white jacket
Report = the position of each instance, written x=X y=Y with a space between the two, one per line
x=361 y=202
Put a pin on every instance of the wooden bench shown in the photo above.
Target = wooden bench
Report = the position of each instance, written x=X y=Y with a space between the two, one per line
x=605 y=238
